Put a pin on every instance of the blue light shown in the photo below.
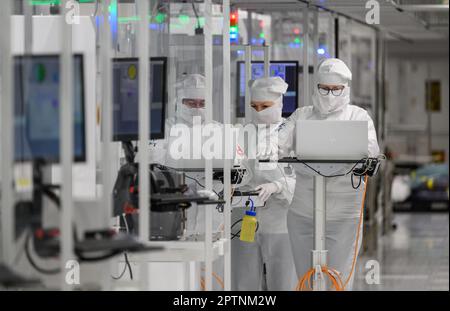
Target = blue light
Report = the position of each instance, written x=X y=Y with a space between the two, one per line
x=233 y=36
x=240 y=52
x=320 y=51
x=154 y=26
x=98 y=20
x=253 y=41
x=113 y=18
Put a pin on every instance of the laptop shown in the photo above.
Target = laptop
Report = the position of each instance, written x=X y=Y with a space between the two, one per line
x=331 y=140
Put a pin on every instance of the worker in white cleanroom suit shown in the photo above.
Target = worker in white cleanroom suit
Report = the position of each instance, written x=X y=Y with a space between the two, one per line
x=267 y=263
x=190 y=103
x=330 y=101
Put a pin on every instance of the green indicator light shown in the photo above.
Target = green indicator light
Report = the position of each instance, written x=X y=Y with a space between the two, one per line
x=160 y=18
x=123 y=20
x=184 y=19
x=40 y=73
x=233 y=29
x=261 y=35
x=297 y=40
x=44 y=2
x=201 y=21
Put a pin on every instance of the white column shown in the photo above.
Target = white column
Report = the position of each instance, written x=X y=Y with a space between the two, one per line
x=144 y=125
x=306 y=91
x=106 y=163
x=330 y=35
x=319 y=252
x=28 y=26
x=66 y=144
x=227 y=121
x=106 y=116
x=315 y=39
x=266 y=61
x=248 y=77
x=208 y=163
x=6 y=138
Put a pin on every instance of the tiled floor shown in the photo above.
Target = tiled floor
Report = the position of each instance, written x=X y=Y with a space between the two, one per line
x=413 y=257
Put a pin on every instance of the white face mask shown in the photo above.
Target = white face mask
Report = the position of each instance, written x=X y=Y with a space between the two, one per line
x=327 y=104
x=187 y=114
x=269 y=115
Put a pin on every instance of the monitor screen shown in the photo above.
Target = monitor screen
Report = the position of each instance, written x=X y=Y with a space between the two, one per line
x=287 y=70
x=36 y=108
x=126 y=98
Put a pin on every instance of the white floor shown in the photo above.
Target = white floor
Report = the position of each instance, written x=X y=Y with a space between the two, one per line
x=413 y=257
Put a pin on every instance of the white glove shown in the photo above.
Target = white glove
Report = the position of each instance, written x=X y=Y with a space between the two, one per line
x=266 y=190
x=208 y=193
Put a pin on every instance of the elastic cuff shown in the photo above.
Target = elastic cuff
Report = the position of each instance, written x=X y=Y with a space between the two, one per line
x=279 y=186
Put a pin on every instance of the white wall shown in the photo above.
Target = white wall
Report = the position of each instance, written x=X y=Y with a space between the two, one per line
x=408 y=67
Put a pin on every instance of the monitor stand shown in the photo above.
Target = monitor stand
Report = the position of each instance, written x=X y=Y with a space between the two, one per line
x=47 y=241
x=130 y=151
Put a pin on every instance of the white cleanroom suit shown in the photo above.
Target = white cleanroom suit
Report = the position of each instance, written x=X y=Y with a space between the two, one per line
x=343 y=203
x=267 y=263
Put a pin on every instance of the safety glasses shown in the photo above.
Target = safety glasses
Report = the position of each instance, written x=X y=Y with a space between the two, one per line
x=336 y=91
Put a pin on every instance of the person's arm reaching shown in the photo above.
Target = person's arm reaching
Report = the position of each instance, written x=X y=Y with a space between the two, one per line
x=286 y=183
x=283 y=187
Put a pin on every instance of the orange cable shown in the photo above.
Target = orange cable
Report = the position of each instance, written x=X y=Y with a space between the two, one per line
x=218 y=279
x=334 y=276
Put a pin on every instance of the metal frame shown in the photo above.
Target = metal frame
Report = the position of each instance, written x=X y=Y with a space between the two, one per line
x=208 y=162
x=66 y=146
x=315 y=40
x=6 y=155
x=248 y=76
x=106 y=165
x=227 y=165
x=319 y=252
x=306 y=90
x=144 y=125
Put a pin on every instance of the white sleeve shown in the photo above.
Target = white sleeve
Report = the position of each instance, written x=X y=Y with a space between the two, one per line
x=286 y=132
x=286 y=184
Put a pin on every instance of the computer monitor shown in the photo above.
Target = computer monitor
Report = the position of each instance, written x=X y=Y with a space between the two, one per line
x=287 y=70
x=126 y=98
x=36 y=108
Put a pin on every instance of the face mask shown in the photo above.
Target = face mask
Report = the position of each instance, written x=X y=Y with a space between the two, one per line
x=327 y=104
x=269 y=115
x=187 y=114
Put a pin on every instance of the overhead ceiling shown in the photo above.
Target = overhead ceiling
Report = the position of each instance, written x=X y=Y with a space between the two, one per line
x=414 y=20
